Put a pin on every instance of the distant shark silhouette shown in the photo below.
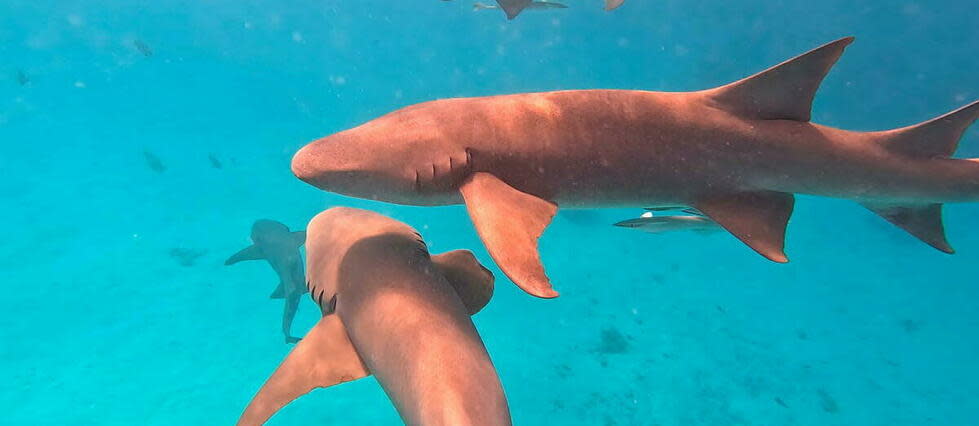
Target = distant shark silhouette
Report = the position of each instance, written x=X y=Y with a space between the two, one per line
x=392 y=311
x=737 y=153
x=275 y=244
x=533 y=5
x=512 y=8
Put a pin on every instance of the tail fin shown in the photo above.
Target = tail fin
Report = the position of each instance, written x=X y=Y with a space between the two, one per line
x=785 y=91
x=938 y=137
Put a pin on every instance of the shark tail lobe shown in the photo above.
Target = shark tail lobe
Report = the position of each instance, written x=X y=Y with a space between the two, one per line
x=935 y=138
x=938 y=137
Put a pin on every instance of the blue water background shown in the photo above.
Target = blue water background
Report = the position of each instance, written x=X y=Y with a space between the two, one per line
x=99 y=324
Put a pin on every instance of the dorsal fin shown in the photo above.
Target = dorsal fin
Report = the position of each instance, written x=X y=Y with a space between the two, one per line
x=938 y=137
x=757 y=218
x=471 y=281
x=325 y=357
x=513 y=7
x=785 y=91
x=924 y=222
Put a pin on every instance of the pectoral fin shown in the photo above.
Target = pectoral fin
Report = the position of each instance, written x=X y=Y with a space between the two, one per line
x=509 y=222
x=251 y=252
x=757 y=218
x=471 y=281
x=279 y=292
x=325 y=357
x=298 y=238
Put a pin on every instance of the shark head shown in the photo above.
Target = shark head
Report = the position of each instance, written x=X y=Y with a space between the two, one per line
x=398 y=158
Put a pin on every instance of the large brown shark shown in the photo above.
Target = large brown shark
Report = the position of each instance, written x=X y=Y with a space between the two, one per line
x=736 y=153
x=391 y=310
x=274 y=243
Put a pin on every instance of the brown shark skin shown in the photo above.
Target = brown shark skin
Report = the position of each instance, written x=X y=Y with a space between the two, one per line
x=617 y=148
x=409 y=325
x=280 y=248
x=625 y=148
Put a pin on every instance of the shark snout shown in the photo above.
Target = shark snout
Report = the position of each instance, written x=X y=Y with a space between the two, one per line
x=303 y=165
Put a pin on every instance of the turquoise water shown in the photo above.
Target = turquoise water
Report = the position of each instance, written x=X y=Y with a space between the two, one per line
x=116 y=308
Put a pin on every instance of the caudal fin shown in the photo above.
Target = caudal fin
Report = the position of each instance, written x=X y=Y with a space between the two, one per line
x=936 y=138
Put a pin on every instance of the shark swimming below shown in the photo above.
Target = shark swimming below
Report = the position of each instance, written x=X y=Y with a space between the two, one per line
x=391 y=310
x=274 y=243
x=736 y=153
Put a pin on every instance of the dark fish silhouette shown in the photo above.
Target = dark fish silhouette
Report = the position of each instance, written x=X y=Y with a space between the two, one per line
x=274 y=243
x=143 y=48
x=538 y=5
x=153 y=162
x=214 y=161
x=514 y=7
x=186 y=257
x=22 y=78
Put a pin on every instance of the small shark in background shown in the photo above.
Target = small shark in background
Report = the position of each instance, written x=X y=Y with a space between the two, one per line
x=533 y=5
x=738 y=153
x=692 y=221
x=391 y=310
x=274 y=243
x=512 y=8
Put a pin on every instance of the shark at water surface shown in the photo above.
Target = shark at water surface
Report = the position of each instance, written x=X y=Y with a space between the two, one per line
x=736 y=153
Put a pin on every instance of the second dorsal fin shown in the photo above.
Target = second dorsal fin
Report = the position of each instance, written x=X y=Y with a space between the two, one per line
x=785 y=91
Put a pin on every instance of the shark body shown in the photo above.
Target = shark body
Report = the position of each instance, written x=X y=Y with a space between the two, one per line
x=274 y=243
x=393 y=311
x=736 y=153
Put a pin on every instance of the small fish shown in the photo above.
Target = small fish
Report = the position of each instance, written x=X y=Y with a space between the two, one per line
x=827 y=402
x=780 y=402
x=186 y=257
x=153 y=162
x=214 y=161
x=538 y=5
x=143 y=48
x=22 y=78
x=660 y=224
x=613 y=342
